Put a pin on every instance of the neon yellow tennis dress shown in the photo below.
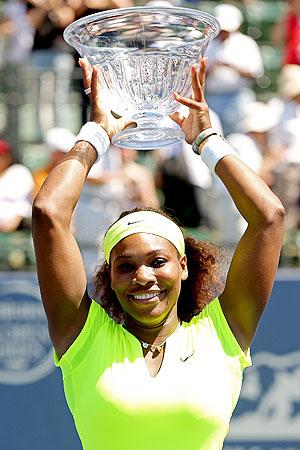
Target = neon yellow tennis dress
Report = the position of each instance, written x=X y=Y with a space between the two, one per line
x=117 y=405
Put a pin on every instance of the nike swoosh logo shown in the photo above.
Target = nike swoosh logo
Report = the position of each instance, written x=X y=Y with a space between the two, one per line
x=136 y=221
x=186 y=358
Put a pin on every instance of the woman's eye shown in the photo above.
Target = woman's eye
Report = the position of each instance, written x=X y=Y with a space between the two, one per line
x=125 y=266
x=158 y=262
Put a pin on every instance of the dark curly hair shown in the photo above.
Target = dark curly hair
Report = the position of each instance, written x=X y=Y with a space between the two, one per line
x=205 y=280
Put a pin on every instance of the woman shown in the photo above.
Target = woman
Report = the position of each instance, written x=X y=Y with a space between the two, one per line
x=161 y=380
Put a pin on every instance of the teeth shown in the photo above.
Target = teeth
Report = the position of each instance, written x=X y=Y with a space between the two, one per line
x=146 y=296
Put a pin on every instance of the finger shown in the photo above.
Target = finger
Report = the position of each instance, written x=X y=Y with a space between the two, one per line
x=202 y=74
x=95 y=86
x=190 y=102
x=115 y=115
x=86 y=69
x=177 y=117
x=197 y=91
x=127 y=123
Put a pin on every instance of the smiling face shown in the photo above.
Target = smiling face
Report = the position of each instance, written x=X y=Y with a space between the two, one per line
x=146 y=274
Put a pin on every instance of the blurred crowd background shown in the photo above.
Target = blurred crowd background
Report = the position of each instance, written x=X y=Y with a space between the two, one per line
x=253 y=91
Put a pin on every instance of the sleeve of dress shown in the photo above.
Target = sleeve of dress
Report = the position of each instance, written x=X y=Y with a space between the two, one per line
x=96 y=320
x=215 y=316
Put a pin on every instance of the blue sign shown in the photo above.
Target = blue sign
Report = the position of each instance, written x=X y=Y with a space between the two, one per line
x=267 y=416
x=25 y=351
x=34 y=414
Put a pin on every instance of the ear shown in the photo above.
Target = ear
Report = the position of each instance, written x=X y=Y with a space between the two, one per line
x=184 y=268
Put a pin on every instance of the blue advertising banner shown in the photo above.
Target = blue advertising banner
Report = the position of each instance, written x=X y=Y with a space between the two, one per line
x=267 y=416
x=34 y=414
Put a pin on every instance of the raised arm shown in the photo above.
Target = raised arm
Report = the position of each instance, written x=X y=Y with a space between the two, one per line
x=252 y=271
x=60 y=268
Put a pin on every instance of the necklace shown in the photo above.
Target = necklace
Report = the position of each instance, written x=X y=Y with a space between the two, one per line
x=153 y=348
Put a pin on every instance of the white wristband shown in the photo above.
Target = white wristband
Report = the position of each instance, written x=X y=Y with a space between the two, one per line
x=93 y=133
x=215 y=149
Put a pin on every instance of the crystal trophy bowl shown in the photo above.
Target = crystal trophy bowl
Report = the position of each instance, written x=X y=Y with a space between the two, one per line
x=145 y=54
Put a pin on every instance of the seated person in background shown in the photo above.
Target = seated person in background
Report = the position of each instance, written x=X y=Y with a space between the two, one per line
x=58 y=142
x=16 y=187
x=252 y=144
x=234 y=63
x=288 y=97
x=136 y=180
x=286 y=32
x=139 y=179
x=115 y=182
x=180 y=170
x=286 y=173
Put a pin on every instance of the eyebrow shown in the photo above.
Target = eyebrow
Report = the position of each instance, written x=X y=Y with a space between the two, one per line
x=131 y=255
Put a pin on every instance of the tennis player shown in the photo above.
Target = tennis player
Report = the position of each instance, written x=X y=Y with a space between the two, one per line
x=155 y=361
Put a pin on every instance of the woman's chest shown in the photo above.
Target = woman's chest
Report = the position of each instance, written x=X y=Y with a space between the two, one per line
x=201 y=382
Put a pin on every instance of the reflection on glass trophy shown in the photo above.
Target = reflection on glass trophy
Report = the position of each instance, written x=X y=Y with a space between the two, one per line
x=145 y=54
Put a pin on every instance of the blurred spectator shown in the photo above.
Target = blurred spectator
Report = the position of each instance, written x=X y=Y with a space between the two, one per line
x=286 y=32
x=116 y=183
x=16 y=187
x=252 y=145
x=138 y=179
x=234 y=62
x=90 y=7
x=58 y=142
x=254 y=142
x=137 y=186
x=181 y=174
x=289 y=92
x=52 y=60
x=286 y=173
x=17 y=31
x=287 y=102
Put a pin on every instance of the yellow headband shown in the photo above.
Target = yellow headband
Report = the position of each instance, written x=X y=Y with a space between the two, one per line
x=143 y=222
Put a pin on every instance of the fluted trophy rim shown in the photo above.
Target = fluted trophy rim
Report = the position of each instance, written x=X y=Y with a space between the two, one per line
x=200 y=15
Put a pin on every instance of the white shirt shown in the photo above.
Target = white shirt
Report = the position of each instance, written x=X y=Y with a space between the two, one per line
x=16 y=188
x=238 y=50
x=21 y=41
x=197 y=172
x=222 y=211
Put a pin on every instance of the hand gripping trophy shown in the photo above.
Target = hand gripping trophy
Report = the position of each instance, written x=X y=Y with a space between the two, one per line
x=145 y=55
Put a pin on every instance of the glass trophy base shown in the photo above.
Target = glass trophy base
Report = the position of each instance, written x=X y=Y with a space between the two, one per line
x=148 y=132
x=147 y=138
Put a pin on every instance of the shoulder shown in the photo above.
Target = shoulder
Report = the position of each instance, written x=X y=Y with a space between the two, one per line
x=18 y=178
x=237 y=39
x=234 y=139
x=246 y=149
x=244 y=39
x=18 y=170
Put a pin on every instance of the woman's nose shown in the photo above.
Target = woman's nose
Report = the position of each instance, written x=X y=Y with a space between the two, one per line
x=143 y=275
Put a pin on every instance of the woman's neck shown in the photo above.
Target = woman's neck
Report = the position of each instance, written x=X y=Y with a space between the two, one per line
x=155 y=334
